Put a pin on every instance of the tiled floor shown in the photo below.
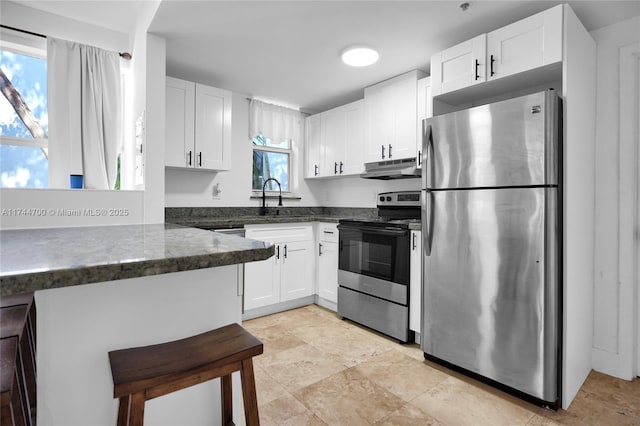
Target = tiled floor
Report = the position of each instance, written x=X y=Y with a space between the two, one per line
x=318 y=369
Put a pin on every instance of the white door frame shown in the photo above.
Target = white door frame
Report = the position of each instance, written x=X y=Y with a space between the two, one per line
x=636 y=136
x=629 y=162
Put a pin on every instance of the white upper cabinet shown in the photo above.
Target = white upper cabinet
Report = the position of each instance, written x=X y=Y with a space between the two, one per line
x=198 y=126
x=390 y=117
x=460 y=66
x=179 y=130
x=213 y=128
x=313 y=145
x=335 y=141
x=527 y=44
x=530 y=43
x=343 y=135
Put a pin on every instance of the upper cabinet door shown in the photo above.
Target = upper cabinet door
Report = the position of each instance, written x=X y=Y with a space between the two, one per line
x=390 y=114
x=313 y=145
x=179 y=121
x=462 y=65
x=379 y=120
x=333 y=125
x=527 y=44
x=213 y=128
x=354 y=132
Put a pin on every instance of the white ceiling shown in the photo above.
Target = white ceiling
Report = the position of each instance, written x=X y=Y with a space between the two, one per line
x=289 y=51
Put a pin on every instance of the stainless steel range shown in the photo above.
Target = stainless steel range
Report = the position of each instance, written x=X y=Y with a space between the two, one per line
x=373 y=266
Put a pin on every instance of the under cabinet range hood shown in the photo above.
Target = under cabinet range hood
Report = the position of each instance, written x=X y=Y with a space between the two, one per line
x=392 y=169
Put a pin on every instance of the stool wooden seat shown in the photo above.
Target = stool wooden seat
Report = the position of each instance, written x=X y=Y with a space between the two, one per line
x=144 y=373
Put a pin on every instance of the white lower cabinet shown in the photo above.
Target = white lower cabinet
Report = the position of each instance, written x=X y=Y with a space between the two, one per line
x=286 y=276
x=415 y=281
x=327 y=266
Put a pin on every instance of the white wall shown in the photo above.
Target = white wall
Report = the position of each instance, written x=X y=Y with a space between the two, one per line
x=614 y=289
x=191 y=188
x=37 y=21
x=578 y=81
x=45 y=208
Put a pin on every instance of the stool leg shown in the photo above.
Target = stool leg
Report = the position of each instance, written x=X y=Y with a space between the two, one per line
x=18 y=417
x=227 y=399
x=249 y=393
x=6 y=415
x=123 y=411
x=136 y=411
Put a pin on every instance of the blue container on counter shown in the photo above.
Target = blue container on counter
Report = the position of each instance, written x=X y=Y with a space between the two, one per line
x=76 y=181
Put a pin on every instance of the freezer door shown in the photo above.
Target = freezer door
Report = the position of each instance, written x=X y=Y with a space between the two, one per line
x=508 y=143
x=490 y=300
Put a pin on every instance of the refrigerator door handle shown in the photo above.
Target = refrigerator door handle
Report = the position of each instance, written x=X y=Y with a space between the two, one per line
x=427 y=219
x=427 y=146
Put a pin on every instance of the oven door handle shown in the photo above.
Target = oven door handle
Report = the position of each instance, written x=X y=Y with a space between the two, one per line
x=375 y=229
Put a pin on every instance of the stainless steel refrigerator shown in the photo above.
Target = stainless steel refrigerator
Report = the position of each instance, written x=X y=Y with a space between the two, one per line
x=491 y=251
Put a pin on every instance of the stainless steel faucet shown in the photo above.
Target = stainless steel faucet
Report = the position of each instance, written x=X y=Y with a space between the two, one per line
x=263 y=209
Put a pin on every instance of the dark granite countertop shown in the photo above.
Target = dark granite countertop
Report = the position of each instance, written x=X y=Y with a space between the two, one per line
x=241 y=221
x=36 y=259
x=238 y=217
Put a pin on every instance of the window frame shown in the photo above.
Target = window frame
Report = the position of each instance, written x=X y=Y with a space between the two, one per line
x=26 y=45
x=265 y=148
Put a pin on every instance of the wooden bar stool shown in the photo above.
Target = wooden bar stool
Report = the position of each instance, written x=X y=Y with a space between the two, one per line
x=12 y=409
x=27 y=300
x=144 y=373
x=17 y=334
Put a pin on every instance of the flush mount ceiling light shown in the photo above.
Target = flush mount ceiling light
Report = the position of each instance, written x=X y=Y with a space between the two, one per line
x=360 y=56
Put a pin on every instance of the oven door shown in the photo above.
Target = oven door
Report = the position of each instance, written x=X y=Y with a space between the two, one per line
x=375 y=250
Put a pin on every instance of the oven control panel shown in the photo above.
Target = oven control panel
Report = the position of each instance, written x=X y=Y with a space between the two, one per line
x=399 y=198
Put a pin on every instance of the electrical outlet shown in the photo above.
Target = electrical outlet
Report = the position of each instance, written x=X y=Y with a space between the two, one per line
x=216 y=191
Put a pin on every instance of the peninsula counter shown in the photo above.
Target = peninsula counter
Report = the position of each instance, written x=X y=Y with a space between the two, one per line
x=111 y=287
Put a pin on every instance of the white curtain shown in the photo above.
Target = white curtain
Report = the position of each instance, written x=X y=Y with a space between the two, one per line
x=275 y=122
x=84 y=96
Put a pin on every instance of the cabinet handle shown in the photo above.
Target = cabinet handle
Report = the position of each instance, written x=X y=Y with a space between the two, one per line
x=189 y=160
x=328 y=232
x=319 y=249
x=341 y=165
x=285 y=251
x=382 y=151
x=419 y=158
x=492 y=61
x=200 y=159
x=477 y=65
x=315 y=170
x=335 y=168
x=414 y=241
x=390 y=150
x=277 y=252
